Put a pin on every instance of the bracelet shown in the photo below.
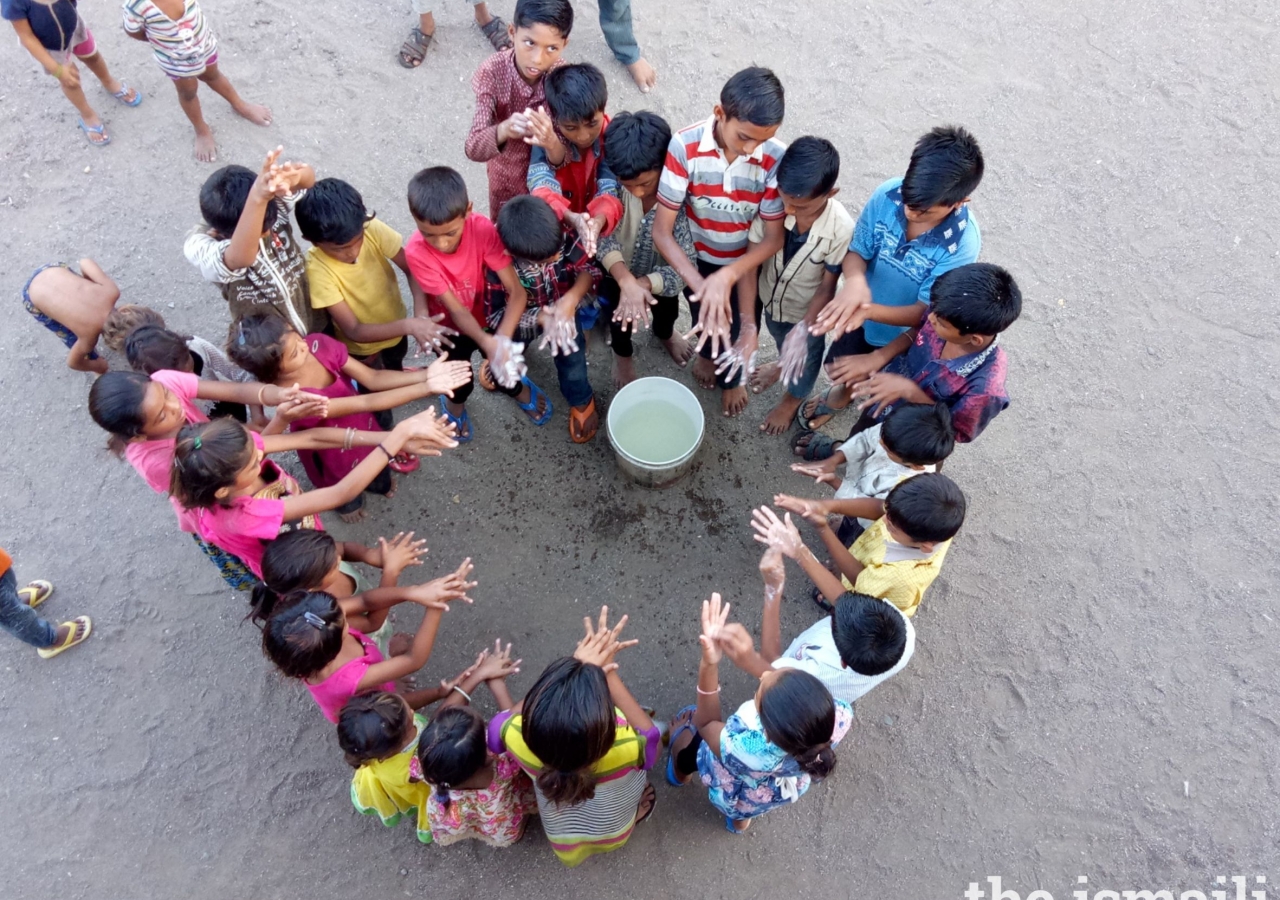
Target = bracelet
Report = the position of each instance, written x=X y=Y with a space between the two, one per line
x=57 y=71
x=462 y=692
x=390 y=455
x=262 y=391
x=349 y=441
x=709 y=693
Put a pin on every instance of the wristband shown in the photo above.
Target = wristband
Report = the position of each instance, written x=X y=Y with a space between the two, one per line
x=57 y=71
x=462 y=692
x=390 y=455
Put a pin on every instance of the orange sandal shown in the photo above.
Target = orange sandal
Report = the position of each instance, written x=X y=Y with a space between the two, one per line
x=486 y=377
x=579 y=416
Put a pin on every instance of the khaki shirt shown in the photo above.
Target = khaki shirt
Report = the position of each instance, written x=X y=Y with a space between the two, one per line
x=787 y=290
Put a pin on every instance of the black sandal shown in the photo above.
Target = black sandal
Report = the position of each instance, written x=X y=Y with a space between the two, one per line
x=414 y=50
x=821 y=602
x=496 y=32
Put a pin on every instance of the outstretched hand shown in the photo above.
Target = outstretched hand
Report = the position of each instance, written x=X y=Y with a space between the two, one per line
x=397 y=554
x=497 y=663
x=715 y=614
x=427 y=434
x=431 y=333
x=780 y=533
x=600 y=644
x=792 y=356
x=440 y=592
x=507 y=361
x=812 y=511
x=634 y=300
x=445 y=374
x=559 y=331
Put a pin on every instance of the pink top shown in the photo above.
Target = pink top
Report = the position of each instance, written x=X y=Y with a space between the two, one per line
x=460 y=272
x=333 y=693
x=326 y=468
x=153 y=460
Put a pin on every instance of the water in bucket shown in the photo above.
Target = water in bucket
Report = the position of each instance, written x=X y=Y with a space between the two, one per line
x=655 y=431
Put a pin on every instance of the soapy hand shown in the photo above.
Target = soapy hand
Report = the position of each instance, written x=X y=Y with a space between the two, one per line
x=792 y=356
x=507 y=362
x=559 y=331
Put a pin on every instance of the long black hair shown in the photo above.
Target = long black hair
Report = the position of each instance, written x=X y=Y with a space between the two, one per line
x=115 y=402
x=304 y=634
x=569 y=724
x=373 y=726
x=799 y=716
x=298 y=560
x=452 y=748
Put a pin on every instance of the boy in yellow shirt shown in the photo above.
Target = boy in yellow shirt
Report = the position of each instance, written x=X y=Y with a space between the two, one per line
x=896 y=559
x=349 y=270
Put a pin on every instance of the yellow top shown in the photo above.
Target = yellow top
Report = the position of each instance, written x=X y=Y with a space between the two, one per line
x=382 y=788
x=368 y=286
x=893 y=571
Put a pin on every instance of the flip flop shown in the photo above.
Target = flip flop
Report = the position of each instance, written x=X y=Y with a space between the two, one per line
x=462 y=422
x=82 y=624
x=531 y=408
x=806 y=423
x=96 y=129
x=39 y=591
x=675 y=734
x=486 y=377
x=821 y=602
x=414 y=51
x=124 y=92
x=816 y=446
x=404 y=463
x=496 y=32
x=578 y=417
x=653 y=805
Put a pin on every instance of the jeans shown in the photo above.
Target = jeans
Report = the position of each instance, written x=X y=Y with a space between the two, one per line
x=615 y=22
x=571 y=370
x=664 y=318
x=21 y=620
x=812 y=359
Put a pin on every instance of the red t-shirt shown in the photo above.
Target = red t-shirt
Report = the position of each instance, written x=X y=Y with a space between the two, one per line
x=462 y=271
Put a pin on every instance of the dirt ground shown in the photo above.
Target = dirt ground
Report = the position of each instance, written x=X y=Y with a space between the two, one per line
x=1094 y=691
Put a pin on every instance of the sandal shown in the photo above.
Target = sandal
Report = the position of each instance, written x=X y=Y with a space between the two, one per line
x=578 y=418
x=99 y=130
x=36 y=592
x=77 y=633
x=414 y=50
x=462 y=422
x=404 y=463
x=678 y=730
x=531 y=408
x=496 y=32
x=814 y=446
x=822 y=603
x=820 y=411
x=486 y=377
x=653 y=804
x=124 y=92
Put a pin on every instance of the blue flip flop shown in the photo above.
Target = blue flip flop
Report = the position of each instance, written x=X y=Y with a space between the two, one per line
x=124 y=92
x=535 y=393
x=462 y=422
x=671 y=756
x=100 y=130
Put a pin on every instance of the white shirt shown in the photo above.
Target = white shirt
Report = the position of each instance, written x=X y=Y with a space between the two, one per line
x=869 y=472
x=814 y=651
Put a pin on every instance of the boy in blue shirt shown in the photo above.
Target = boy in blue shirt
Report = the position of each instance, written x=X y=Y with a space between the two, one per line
x=912 y=230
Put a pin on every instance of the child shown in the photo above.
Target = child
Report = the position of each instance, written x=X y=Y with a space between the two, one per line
x=276 y=354
x=735 y=147
x=769 y=752
x=587 y=744
x=414 y=50
x=951 y=358
x=911 y=231
x=508 y=86
x=452 y=255
x=557 y=274
x=74 y=307
x=567 y=166
x=236 y=500
x=349 y=271
x=478 y=795
x=53 y=32
x=152 y=348
x=308 y=637
x=801 y=278
x=865 y=642
x=248 y=249
x=186 y=50
x=636 y=275
x=896 y=559
x=18 y=615
x=914 y=438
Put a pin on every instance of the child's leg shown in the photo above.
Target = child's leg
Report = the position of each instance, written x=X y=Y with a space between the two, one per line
x=74 y=91
x=206 y=149
x=19 y=619
x=254 y=112
x=98 y=66
x=571 y=371
x=615 y=22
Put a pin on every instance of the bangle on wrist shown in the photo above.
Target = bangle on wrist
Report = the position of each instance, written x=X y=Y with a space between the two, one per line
x=709 y=693
x=462 y=692
x=390 y=455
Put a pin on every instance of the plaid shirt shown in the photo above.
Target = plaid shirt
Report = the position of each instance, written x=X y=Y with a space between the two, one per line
x=544 y=283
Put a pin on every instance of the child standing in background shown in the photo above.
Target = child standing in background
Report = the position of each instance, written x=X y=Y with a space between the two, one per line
x=18 y=615
x=421 y=36
x=75 y=307
x=186 y=50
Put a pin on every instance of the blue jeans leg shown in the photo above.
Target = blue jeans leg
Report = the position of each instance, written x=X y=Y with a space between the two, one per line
x=572 y=372
x=615 y=22
x=21 y=620
x=812 y=360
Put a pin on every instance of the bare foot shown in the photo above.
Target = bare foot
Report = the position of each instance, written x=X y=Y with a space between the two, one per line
x=254 y=112
x=355 y=516
x=399 y=644
x=679 y=349
x=704 y=372
x=780 y=417
x=643 y=74
x=733 y=401
x=764 y=377
x=391 y=493
x=206 y=147
x=679 y=743
x=741 y=825
x=647 y=801
x=624 y=371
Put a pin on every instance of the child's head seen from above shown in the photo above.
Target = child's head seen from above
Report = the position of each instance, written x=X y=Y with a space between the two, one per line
x=439 y=205
x=374 y=726
x=452 y=748
x=569 y=724
x=924 y=511
x=970 y=305
x=807 y=176
x=577 y=95
x=223 y=196
x=267 y=347
x=869 y=633
x=530 y=230
x=132 y=407
x=124 y=320
x=300 y=560
x=304 y=634
x=540 y=30
x=214 y=463
x=799 y=716
x=750 y=111
x=918 y=434
x=151 y=348
x=331 y=215
x=635 y=144
x=945 y=169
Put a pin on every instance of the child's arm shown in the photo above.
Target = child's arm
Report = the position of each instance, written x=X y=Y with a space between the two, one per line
x=847 y=310
x=517 y=301
x=783 y=534
x=850 y=370
x=664 y=223
x=135 y=26
x=427 y=332
x=501 y=696
x=821 y=297
x=546 y=148
x=419 y=301
x=68 y=75
x=490 y=667
x=250 y=392
x=441 y=377
x=707 y=717
x=487 y=136
x=716 y=288
x=598 y=648
x=774 y=575
x=243 y=247
x=378 y=400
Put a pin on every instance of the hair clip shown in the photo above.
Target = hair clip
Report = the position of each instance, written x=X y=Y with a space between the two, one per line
x=240 y=331
x=195 y=443
x=313 y=620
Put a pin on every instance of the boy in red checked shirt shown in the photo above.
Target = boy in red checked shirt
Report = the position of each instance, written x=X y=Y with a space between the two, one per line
x=575 y=179
x=451 y=255
x=508 y=88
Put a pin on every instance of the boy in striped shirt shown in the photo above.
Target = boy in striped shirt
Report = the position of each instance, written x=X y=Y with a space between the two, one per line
x=724 y=173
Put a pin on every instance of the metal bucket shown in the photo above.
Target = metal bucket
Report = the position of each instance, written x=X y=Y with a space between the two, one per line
x=655 y=473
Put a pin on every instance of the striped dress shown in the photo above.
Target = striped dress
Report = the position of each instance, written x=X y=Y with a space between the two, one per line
x=604 y=822
x=183 y=48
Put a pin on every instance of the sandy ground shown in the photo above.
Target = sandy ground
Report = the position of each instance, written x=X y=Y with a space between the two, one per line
x=1094 y=690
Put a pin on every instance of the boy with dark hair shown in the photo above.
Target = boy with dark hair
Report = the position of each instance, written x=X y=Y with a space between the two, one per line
x=896 y=559
x=349 y=270
x=914 y=438
x=567 y=166
x=801 y=278
x=247 y=247
x=911 y=231
x=508 y=86
x=637 y=277
x=723 y=172
x=865 y=642
x=557 y=275
x=451 y=255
